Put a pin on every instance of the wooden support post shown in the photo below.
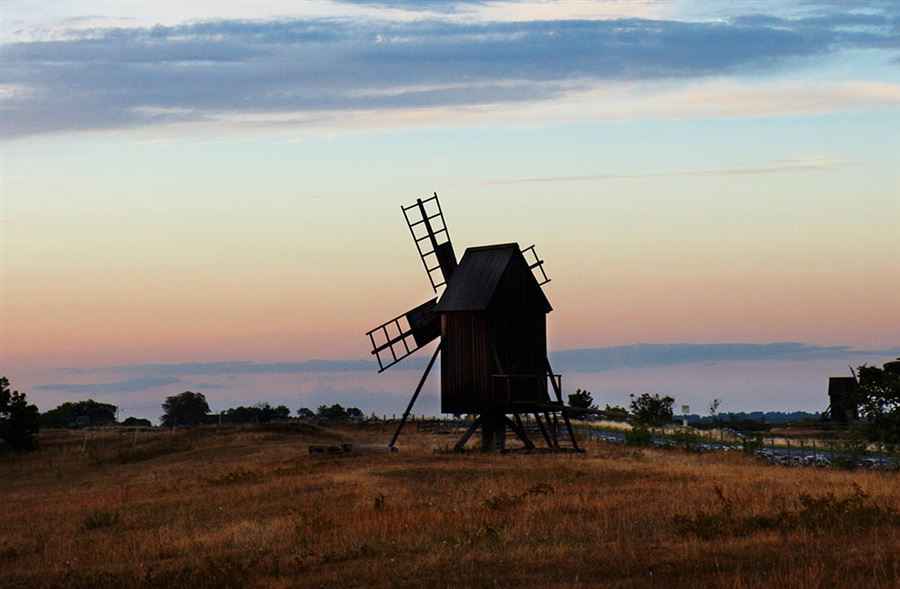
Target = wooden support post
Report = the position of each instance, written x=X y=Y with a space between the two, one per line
x=493 y=431
x=517 y=429
x=415 y=395
x=537 y=419
x=461 y=443
x=552 y=428
x=565 y=416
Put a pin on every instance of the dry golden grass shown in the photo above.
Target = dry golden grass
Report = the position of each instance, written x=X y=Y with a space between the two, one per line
x=249 y=507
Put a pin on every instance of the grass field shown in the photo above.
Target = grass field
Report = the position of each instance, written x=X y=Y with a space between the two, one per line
x=250 y=507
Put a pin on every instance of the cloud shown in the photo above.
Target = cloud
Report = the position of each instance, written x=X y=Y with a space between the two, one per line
x=652 y=355
x=131 y=385
x=121 y=77
x=581 y=360
x=808 y=164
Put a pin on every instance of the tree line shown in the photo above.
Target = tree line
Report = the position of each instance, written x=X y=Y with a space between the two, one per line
x=877 y=397
x=20 y=420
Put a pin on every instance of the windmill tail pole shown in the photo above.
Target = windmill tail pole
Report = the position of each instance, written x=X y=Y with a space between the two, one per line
x=415 y=396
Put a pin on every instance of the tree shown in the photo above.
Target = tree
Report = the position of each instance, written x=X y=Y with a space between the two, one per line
x=582 y=400
x=18 y=419
x=878 y=397
x=337 y=414
x=714 y=409
x=333 y=413
x=80 y=413
x=188 y=408
x=305 y=413
x=259 y=413
x=616 y=412
x=652 y=409
x=137 y=422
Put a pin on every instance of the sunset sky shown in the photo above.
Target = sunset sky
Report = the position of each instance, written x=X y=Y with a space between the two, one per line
x=207 y=196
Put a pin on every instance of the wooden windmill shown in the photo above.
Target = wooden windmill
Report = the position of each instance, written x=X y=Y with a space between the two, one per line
x=491 y=320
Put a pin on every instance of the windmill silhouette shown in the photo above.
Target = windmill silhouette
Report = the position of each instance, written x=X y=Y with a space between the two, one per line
x=491 y=320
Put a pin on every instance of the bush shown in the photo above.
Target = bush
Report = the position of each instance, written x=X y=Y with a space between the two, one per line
x=582 y=400
x=652 y=409
x=18 y=419
x=638 y=435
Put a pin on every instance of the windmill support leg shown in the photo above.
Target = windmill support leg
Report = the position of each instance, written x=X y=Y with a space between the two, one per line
x=519 y=432
x=461 y=444
x=552 y=428
x=415 y=396
x=558 y=391
x=540 y=423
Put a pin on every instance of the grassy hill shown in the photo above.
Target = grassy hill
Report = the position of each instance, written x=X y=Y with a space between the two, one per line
x=250 y=507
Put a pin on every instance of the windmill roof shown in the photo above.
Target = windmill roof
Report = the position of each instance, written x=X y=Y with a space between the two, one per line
x=475 y=280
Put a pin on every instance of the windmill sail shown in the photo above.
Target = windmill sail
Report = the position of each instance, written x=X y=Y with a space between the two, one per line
x=396 y=339
x=429 y=231
x=536 y=264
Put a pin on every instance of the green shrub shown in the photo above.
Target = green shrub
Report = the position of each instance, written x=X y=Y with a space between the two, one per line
x=638 y=435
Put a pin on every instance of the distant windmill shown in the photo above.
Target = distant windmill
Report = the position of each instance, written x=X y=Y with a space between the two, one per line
x=492 y=324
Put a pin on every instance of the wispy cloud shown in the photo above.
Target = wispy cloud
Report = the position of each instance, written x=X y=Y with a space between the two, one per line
x=279 y=70
x=806 y=164
x=131 y=385
x=651 y=355
x=144 y=376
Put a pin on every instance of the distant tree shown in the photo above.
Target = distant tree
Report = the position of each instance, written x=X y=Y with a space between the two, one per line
x=581 y=400
x=333 y=413
x=337 y=414
x=259 y=413
x=616 y=412
x=18 y=419
x=305 y=413
x=878 y=397
x=137 y=422
x=652 y=409
x=80 y=413
x=714 y=409
x=281 y=413
x=188 y=408
x=59 y=417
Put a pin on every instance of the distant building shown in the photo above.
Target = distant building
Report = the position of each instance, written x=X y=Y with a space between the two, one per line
x=842 y=396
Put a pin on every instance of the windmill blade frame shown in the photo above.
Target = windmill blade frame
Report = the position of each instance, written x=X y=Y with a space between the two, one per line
x=426 y=223
x=403 y=335
x=536 y=265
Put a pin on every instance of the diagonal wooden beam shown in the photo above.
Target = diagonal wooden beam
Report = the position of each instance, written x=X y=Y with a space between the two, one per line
x=415 y=396
x=461 y=444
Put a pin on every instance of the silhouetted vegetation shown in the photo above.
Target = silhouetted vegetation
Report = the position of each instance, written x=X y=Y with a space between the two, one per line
x=638 y=435
x=18 y=419
x=79 y=414
x=305 y=413
x=337 y=414
x=582 y=400
x=616 y=412
x=652 y=409
x=188 y=408
x=878 y=397
x=137 y=422
x=259 y=413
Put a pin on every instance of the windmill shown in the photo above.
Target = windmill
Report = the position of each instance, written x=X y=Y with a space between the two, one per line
x=491 y=323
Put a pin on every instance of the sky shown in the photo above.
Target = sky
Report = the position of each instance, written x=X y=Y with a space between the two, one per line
x=206 y=196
